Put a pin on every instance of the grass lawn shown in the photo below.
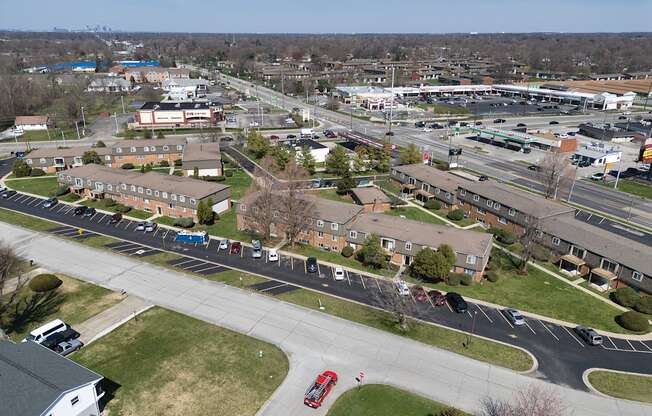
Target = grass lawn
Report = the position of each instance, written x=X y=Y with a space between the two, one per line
x=73 y=302
x=25 y=221
x=629 y=186
x=416 y=214
x=382 y=400
x=69 y=197
x=479 y=349
x=332 y=195
x=541 y=294
x=388 y=185
x=101 y=204
x=239 y=183
x=167 y=363
x=44 y=186
x=335 y=257
x=622 y=386
x=235 y=278
x=462 y=223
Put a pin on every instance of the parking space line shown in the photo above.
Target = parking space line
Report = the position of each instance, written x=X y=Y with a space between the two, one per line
x=210 y=240
x=362 y=280
x=505 y=318
x=483 y=312
x=645 y=345
x=528 y=325
x=273 y=287
x=212 y=266
x=102 y=219
x=449 y=306
x=573 y=336
x=378 y=284
x=128 y=224
x=318 y=270
x=346 y=273
x=548 y=329
x=166 y=234
x=630 y=344
x=60 y=207
x=183 y=262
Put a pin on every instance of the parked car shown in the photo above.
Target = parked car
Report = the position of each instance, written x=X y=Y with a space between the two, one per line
x=437 y=298
x=50 y=202
x=589 y=335
x=89 y=212
x=140 y=226
x=389 y=133
x=58 y=337
x=483 y=178
x=553 y=122
x=478 y=123
x=274 y=137
x=419 y=294
x=402 y=288
x=598 y=176
x=236 y=247
x=534 y=168
x=571 y=133
x=8 y=193
x=272 y=256
x=41 y=333
x=311 y=265
x=584 y=164
x=224 y=245
x=622 y=117
x=521 y=125
x=419 y=124
x=319 y=389
x=514 y=317
x=457 y=302
x=426 y=129
x=67 y=347
x=338 y=273
x=79 y=210
x=115 y=218
x=290 y=136
x=150 y=227
x=499 y=120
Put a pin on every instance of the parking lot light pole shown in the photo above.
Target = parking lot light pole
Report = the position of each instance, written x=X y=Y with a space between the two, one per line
x=83 y=117
x=570 y=193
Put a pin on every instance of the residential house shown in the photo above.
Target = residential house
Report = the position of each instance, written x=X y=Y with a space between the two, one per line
x=372 y=199
x=205 y=157
x=109 y=85
x=154 y=192
x=154 y=75
x=425 y=182
x=27 y=123
x=37 y=381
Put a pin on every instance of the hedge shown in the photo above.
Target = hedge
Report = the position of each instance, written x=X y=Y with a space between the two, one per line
x=644 y=305
x=184 y=222
x=109 y=202
x=503 y=236
x=432 y=204
x=633 y=321
x=467 y=280
x=228 y=173
x=178 y=162
x=625 y=296
x=347 y=251
x=127 y=166
x=540 y=253
x=456 y=215
x=123 y=209
x=44 y=283
x=493 y=276
x=62 y=190
x=164 y=164
x=454 y=279
x=37 y=172
x=213 y=178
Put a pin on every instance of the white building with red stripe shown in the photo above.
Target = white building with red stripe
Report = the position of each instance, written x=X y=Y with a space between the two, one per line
x=183 y=114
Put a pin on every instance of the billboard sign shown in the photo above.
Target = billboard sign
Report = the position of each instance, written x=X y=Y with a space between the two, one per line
x=646 y=151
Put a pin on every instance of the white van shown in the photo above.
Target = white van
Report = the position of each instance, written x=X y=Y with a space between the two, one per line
x=41 y=333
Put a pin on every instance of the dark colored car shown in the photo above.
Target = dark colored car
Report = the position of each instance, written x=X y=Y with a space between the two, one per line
x=419 y=294
x=8 y=193
x=554 y=122
x=236 y=247
x=311 y=265
x=50 y=202
x=483 y=178
x=478 y=123
x=290 y=136
x=389 y=133
x=419 y=124
x=521 y=125
x=622 y=118
x=79 y=210
x=437 y=298
x=457 y=302
x=89 y=212
x=55 y=339
x=115 y=218
x=274 y=137
x=534 y=168
x=499 y=120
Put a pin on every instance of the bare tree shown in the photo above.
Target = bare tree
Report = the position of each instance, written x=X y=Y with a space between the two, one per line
x=528 y=241
x=297 y=208
x=265 y=201
x=11 y=267
x=534 y=400
x=400 y=307
x=555 y=172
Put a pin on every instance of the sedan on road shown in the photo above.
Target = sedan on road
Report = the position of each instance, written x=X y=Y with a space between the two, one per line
x=457 y=302
x=553 y=122
x=514 y=317
x=50 y=202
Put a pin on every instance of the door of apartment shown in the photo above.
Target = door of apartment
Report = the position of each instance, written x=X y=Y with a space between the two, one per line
x=159 y=211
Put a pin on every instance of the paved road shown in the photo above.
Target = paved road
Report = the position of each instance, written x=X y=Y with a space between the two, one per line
x=312 y=340
x=562 y=356
x=592 y=196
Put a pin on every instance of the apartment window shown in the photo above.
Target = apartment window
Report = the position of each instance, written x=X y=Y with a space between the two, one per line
x=146 y=201
x=275 y=214
x=555 y=241
x=156 y=193
x=243 y=207
x=469 y=272
x=182 y=198
x=164 y=195
x=471 y=259
x=193 y=201
x=42 y=160
x=609 y=265
x=512 y=212
x=133 y=188
x=408 y=246
x=481 y=211
x=79 y=182
x=166 y=148
x=118 y=150
x=334 y=237
x=638 y=276
x=462 y=192
x=425 y=187
x=320 y=223
x=496 y=206
x=173 y=197
x=578 y=252
x=140 y=189
x=29 y=161
x=107 y=157
x=448 y=195
x=133 y=150
x=179 y=147
x=353 y=234
x=146 y=149
x=124 y=186
x=152 y=148
x=539 y=234
x=109 y=187
x=160 y=156
x=320 y=234
x=387 y=244
x=476 y=198
x=148 y=191
x=490 y=203
x=99 y=186
x=437 y=191
x=502 y=220
x=89 y=182
x=334 y=226
x=74 y=400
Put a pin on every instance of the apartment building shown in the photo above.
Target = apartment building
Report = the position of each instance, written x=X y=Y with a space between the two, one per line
x=153 y=192
x=154 y=75
x=52 y=159
x=205 y=157
x=424 y=182
x=402 y=239
x=143 y=152
x=502 y=206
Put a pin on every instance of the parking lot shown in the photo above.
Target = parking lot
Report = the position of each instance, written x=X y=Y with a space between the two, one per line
x=548 y=341
x=495 y=105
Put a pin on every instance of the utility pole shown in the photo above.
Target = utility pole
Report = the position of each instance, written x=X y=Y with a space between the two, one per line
x=391 y=110
x=115 y=117
x=570 y=193
x=122 y=100
x=77 y=127
x=647 y=97
x=83 y=117
x=620 y=165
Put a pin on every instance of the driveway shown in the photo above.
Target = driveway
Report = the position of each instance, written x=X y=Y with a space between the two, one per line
x=313 y=341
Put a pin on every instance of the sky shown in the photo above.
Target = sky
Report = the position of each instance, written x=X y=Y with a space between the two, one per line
x=332 y=16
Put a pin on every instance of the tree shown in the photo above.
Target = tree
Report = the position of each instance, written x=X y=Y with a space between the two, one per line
x=264 y=204
x=448 y=253
x=205 y=214
x=360 y=159
x=91 y=156
x=410 y=155
x=372 y=253
x=337 y=161
x=281 y=155
x=384 y=161
x=257 y=144
x=160 y=135
x=400 y=307
x=299 y=210
x=147 y=134
x=528 y=240
x=100 y=143
x=11 y=267
x=534 y=400
x=21 y=169
x=332 y=104
x=345 y=184
x=307 y=160
x=130 y=134
x=430 y=264
x=555 y=172
x=195 y=172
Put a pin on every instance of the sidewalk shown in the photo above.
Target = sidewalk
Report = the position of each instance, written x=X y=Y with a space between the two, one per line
x=109 y=319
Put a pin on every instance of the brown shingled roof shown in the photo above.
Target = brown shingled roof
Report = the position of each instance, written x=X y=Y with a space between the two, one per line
x=369 y=195
x=433 y=176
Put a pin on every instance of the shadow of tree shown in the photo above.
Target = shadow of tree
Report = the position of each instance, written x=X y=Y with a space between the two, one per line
x=34 y=308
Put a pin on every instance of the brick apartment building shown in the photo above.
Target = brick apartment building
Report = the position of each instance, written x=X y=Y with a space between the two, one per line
x=155 y=75
x=425 y=182
x=165 y=115
x=153 y=192
x=52 y=159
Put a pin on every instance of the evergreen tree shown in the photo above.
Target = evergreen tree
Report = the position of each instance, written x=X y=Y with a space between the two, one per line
x=337 y=161
x=307 y=160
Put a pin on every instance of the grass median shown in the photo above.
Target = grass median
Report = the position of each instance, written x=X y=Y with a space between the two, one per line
x=479 y=349
x=382 y=400
x=415 y=214
x=622 y=386
x=164 y=362
x=45 y=186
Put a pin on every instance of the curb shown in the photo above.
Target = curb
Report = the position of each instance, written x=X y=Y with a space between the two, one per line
x=585 y=379
x=111 y=328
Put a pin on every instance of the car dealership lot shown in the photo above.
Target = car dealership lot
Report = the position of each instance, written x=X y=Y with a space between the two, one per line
x=549 y=342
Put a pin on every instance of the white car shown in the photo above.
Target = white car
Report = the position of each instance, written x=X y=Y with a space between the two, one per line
x=272 y=256
x=598 y=176
x=338 y=273
x=402 y=288
x=253 y=124
x=150 y=227
x=224 y=245
x=426 y=130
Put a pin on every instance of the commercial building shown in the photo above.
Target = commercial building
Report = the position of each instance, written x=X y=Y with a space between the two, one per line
x=318 y=151
x=153 y=192
x=372 y=199
x=27 y=123
x=606 y=132
x=36 y=381
x=180 y=114
x=598 y=156
x=516 y=140
x=423 y=182
x=371 y=98
x=204 y=157
x=138 y=64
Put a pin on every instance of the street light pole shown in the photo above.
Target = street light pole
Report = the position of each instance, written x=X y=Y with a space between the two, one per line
x=570 y=193
x=83 y=117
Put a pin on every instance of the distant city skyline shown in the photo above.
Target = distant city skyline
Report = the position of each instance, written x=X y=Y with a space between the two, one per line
x=334 y=16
